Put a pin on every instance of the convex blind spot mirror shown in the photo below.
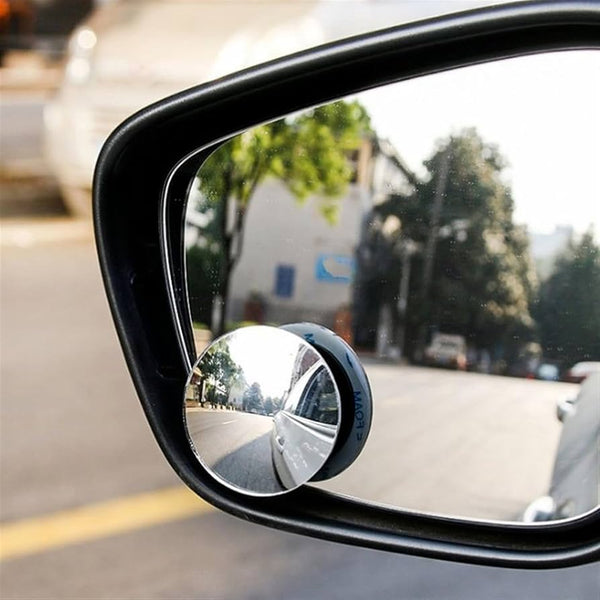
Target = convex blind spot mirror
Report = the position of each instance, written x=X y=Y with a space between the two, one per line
x=265 y=413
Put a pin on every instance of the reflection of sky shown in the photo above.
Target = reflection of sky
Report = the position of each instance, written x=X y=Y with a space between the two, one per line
x=266 y=356
x=541 y=111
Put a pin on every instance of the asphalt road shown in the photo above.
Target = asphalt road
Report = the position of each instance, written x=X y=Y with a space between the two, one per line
x=460 y=444
x=236 y=446
x=72 y=433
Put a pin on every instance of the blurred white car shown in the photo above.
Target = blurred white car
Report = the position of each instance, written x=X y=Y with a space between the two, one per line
x=130 y=53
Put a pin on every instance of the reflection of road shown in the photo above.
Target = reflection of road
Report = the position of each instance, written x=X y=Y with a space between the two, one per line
x=457 y=443
x=236 y=445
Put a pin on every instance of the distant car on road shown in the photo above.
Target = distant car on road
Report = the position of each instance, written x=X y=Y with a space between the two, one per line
x=447 y=350
x=581 y=370
x=547 y=372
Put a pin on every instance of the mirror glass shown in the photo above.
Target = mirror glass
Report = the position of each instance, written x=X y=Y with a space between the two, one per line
x=447 y=228
x=262 y=410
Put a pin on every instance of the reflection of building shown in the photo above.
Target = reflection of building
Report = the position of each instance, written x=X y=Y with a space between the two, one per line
x=205 y=389
x=301 y=265
x=193 y=391
x=546 y=247
x=236 y=393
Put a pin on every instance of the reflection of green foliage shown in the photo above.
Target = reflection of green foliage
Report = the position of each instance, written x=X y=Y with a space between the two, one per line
x=568 y=308
x=269 y=405
x=218 y=366
x=253 y=399
x=483 y=281
x=308 y=152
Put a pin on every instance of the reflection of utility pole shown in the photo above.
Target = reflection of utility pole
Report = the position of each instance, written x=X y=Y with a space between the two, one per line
x=383 y=342
x=408 y=249
x=428 y=259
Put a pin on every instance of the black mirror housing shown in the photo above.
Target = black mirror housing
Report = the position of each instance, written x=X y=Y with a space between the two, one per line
x=139 y=189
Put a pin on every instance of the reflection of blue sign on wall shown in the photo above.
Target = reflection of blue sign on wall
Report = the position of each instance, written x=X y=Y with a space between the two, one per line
x=334 y=267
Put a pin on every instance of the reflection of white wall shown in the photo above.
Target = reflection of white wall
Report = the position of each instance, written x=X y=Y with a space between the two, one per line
x=546 y=247
x=281 y=231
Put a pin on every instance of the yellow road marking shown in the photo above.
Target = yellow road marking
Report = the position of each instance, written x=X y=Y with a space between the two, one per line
x=95 y=521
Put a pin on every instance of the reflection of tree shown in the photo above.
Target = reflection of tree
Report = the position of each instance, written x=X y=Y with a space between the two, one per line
x=253 y=399
x=309 y=153
x=568 y=308
x=477 y=279
x=269 y=405
x=220 y=372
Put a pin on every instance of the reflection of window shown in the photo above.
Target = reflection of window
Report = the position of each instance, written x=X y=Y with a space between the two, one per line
x=284 y=281
x=319 y=401
x=290 y=402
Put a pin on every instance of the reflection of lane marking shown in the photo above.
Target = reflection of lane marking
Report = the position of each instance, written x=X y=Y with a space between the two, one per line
x=207 y=427
x=100 y=520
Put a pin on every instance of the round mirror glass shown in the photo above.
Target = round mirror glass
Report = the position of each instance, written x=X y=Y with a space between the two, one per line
x=262 y=410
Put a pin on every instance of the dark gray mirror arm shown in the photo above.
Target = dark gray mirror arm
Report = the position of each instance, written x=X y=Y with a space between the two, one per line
x=138 y=224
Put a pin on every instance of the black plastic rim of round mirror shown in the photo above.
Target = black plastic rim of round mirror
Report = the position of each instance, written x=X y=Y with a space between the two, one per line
x=232 y=465
x=355 y=395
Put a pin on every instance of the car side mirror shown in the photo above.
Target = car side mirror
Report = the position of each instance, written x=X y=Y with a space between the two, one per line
x=145 y=176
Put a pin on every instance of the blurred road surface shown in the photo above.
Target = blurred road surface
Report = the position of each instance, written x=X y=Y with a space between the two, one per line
x=73 y=434
x=466 y=444
x=21 y=119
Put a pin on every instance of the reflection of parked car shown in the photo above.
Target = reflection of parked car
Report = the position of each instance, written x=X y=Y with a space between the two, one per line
x=574 y=489
x=578 y=372
x=304 y=429
x=447 y=351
